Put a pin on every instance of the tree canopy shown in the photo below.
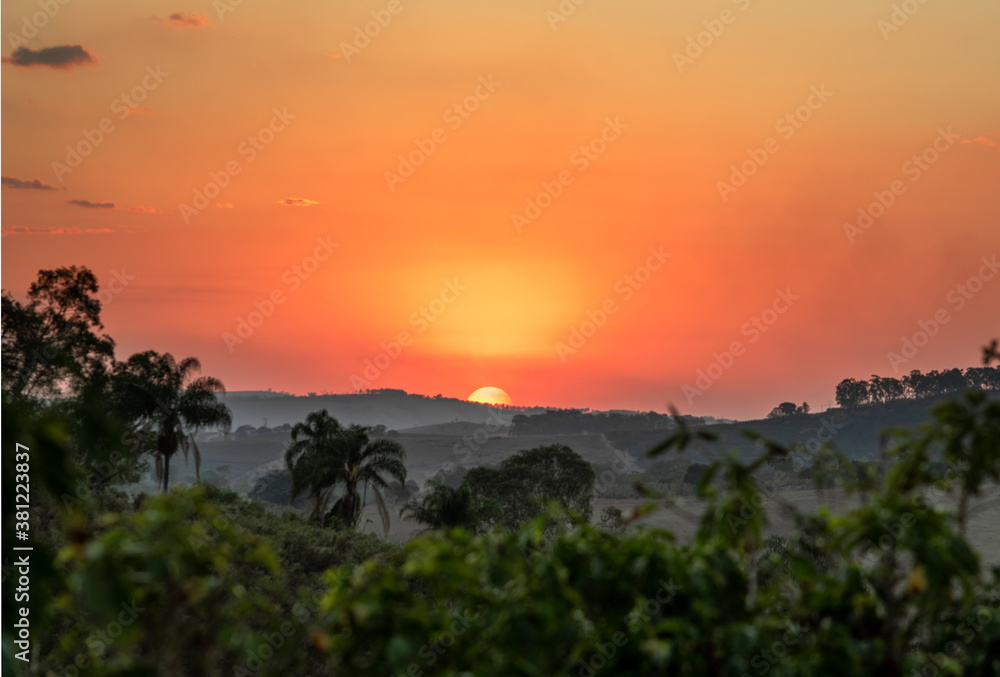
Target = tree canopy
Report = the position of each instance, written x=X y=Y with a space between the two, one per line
x=521 y=484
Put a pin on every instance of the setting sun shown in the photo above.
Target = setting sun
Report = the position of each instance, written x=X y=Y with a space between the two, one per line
x=490 y=395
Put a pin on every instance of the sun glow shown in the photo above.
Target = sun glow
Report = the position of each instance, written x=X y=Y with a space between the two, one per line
x=490 y=395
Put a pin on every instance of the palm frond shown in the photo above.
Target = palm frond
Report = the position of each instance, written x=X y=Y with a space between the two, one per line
x=382 y=510
x=208 y=384
x=186 y=367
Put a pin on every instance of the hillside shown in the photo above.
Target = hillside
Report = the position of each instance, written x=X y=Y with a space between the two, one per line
x=854 y=431
x=432 y=437
x=394 y=409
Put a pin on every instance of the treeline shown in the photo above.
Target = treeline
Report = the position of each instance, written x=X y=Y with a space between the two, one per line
x=579 y=421
x=915 y=385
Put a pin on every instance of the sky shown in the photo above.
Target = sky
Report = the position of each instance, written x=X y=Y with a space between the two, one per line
x=714 y=205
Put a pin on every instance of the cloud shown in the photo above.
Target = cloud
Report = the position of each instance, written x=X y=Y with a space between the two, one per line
x=297 y=202
x=985 y=141
x=24 y=230
x=91 y=205
x=188 y=20
x=34 y=184
x=65 y=56
x=143 y=209
x=224 y=205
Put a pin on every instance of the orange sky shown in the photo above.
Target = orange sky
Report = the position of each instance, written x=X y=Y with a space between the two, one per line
x=509 y=96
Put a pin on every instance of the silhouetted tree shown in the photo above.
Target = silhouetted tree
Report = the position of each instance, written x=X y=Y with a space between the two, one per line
x=168 y=404
x=852 y=393
x=524 y=482
x=448 y=507
x=313 y=459
x=365 y=462
x=53 y=342
x=783 y=409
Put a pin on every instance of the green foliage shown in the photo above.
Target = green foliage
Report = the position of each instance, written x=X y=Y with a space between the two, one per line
x=890 y=587
x=518 y=604
x=523 y=483
x=165 y=575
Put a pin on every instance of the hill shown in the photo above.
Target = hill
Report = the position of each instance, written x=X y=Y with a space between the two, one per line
x=391 y=408
x=437 y=432
x=854 y=431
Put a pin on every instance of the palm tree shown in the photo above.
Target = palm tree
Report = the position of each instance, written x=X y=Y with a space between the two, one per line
x=313 y=459
x=167 y=405
x=368 y=462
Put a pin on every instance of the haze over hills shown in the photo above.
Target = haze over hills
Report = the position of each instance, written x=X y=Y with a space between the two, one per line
x=393 y=409
x=443 y=432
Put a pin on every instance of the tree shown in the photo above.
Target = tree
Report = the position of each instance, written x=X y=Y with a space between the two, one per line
x=448 y=507
x=524 y=482
x=952 y=381
x=694 y=473
x=892 y=389
x=313 y=459
x=852 y=393
x=983 y=378
x=915 y=384
x=167 y=405
x=785 y=409
x=53 y=343
x=612 y=520
x=367 y=462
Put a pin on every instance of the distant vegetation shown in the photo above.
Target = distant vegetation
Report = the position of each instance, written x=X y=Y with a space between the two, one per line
x=915 y=385
x=789 y=409
x=577 y=422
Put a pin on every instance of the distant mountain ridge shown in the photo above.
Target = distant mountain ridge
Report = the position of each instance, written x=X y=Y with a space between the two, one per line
x=393 y=409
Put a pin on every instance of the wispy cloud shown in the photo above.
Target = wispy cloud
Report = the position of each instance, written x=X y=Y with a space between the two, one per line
x=91 y=205
x=24 y=230
x=297 y=202
x=65 y=56
x=142 y=209
x=34 y=184
x=188 y=20
x=990 y=141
